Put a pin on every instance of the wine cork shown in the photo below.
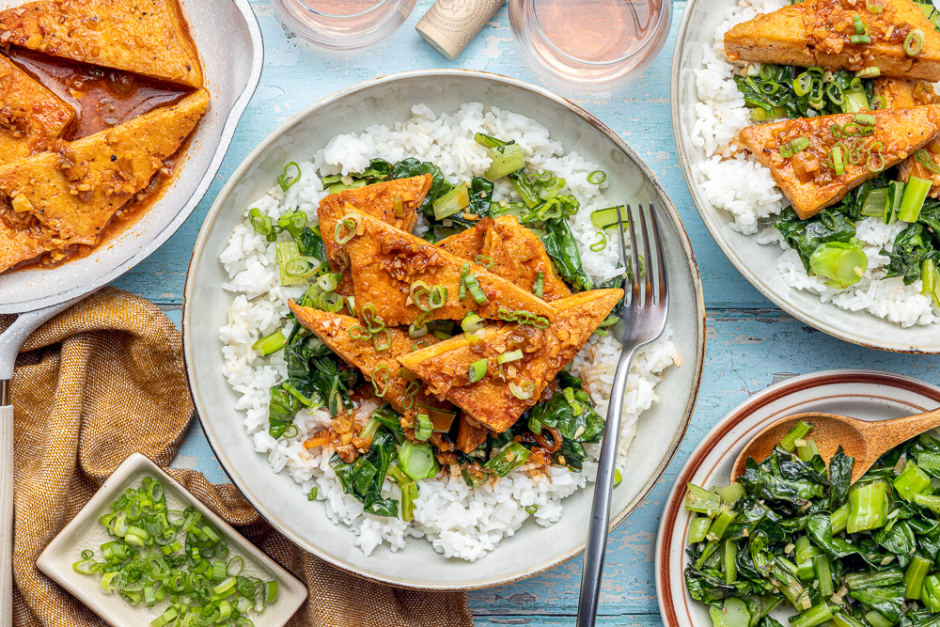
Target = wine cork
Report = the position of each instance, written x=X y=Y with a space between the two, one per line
x=451 y=24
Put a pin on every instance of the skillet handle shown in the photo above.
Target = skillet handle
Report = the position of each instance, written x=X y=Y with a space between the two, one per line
x=6 y=510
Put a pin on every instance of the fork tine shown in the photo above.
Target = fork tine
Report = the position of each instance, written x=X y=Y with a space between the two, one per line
x=661 y=257
x=644 y=232
x=634 y=257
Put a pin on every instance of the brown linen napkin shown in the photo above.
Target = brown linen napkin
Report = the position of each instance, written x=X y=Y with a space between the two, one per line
x=106 y=379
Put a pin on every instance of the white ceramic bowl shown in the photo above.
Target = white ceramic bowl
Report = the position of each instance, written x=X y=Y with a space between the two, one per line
x=85 y=532
x=758 y=263
x=279 y=499
x=863 y=394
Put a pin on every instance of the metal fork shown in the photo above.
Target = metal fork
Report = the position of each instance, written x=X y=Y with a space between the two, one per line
x=642 y=320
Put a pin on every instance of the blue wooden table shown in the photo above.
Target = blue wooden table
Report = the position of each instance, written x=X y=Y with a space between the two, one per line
x=750 y=343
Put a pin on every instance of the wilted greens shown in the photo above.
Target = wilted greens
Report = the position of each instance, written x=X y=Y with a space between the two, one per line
x=789 y=534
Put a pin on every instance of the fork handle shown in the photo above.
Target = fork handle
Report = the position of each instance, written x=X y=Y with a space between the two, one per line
x=594 y=553
x=6 y=509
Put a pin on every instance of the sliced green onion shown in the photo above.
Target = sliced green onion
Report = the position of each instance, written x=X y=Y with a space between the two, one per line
x=596 y=177
x=484 y=261
x=509 y=459
x=794 y=146
x=802 y=84
x=915 y=193
x=835 y=94
x=506 y=159
x=874 y=7
x=759 y=115
x=477 y=370
x=914 y=42
x=859 y=25
x=473 y=286
x=285 y=180
x=380 y=380
x=270 y=344
x=349 y=223
x=292 y=266
x=373 y=323
x=538 y=288
x=531 y=509
x=423 y=428
x=416 y=330
x=836 y=157
x=351 y=305
x=860 y=39
x=471 y=323
x=507 y=357
x=866 y=119
x=876 y=161
x=378 y=344
x=600 y=244
x=523 y=391
x=869 y=72
x=454 y=201
x=923 y=157
x=293 y=223
x=329 y=281
x=438 y=297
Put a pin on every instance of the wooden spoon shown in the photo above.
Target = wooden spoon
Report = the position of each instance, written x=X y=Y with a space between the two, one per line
x=865 y=441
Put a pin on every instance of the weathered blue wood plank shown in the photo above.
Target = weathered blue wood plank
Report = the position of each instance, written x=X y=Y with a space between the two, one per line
x=296 y=75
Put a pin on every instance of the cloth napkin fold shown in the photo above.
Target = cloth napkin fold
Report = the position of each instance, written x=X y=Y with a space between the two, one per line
x=106 y=379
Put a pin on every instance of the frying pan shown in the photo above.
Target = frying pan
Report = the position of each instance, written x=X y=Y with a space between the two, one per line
x=228 y=37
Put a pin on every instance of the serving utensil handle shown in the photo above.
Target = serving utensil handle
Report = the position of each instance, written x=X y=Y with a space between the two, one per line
x=884 y=436
x=6 y=506
x=596 y=549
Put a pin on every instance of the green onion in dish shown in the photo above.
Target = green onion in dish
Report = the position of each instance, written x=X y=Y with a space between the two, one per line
x=175 y=560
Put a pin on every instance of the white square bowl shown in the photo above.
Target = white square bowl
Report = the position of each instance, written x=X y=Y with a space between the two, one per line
x=84 y=532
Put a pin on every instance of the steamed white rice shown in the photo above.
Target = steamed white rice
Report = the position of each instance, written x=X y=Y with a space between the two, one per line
x=736 y=182
x=458 y=521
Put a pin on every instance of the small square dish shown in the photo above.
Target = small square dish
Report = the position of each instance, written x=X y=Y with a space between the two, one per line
x=84 y=532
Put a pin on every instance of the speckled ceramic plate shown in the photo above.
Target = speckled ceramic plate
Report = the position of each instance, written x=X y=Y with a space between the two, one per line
x=758 y=263
x=388 y=100
x=863 y=394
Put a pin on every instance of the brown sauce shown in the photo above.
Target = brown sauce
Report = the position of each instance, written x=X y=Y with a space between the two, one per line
x=104 y=98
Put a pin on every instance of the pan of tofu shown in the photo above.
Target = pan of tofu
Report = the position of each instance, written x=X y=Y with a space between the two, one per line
x=87 y=195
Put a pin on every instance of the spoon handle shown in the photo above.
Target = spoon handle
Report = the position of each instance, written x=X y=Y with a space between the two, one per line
x=883 y=436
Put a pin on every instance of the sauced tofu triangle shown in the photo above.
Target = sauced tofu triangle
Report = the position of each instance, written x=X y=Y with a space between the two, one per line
x=818 y=32
x=146 y=37
x=490 y=401
x=65 y=198
x=901 y=94
x=334 y=331
x=386 y=262
x=30 y=114
x=806 y=179
x=517 y=254
x=377 y=200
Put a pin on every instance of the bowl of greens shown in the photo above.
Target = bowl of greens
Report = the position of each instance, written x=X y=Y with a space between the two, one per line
x=794 y=542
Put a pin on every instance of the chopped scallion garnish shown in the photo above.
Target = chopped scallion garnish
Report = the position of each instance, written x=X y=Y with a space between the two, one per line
x=477 y=370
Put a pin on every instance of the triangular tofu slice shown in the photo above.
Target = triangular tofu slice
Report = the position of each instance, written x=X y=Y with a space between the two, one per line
x=897 y=93
x=146 y=37
x=491 y=401
x=334 y=331
x=806 y=179
x=30 y=114
x=19 y=246
x=819 y=32
x=395 y=202
x=516 y=254
x=386 y=262
x=67 y=197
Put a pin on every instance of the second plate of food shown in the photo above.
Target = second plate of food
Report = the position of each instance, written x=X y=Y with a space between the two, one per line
x=863 y=394
x=387 y=213
x=842 y=270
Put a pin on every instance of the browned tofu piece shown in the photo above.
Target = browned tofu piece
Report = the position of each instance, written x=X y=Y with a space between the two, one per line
x=146 y=37
x=30 y=114
x=446 y=366
x=898 y=93
x=469 y=434
x=20 y=246
x=516 y=252
x=66 y=198
x=334 y=331
x=379 y=200
x=806 y=179
x=818 y=32
x=386 y=262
